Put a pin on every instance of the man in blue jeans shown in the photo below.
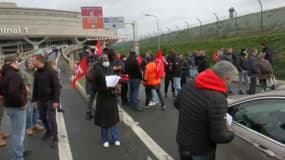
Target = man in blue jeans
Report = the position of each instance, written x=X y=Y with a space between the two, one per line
x=133 y=69
x=14 y=92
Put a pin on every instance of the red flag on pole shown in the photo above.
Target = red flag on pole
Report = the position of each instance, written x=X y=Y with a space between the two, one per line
x=81 y=71
x=98 y=49
x=216 y=56
x=159 y=64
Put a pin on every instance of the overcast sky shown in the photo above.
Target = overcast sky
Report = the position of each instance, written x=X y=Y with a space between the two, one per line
x=170 y=12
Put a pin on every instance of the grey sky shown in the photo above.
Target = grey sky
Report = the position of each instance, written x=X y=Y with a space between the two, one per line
x=170 y=12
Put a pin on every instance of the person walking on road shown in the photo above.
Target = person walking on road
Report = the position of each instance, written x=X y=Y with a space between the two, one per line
x=107 y=112
x=46 y=91
x=268 y=52
x=32 y=113
x=252 y=71
x=242 y=66
x=265 y=70
x=169 y=62
x=14 y=92
x=228 y=56
x=202 y=106
x=135 y=76
x=152 y=82
x=201 y=61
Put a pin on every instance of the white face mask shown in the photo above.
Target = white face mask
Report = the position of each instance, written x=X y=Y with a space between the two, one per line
x=106 y=64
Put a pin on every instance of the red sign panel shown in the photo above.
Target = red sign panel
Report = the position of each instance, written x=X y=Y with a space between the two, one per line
x=92 y=17
x=92 y=22
x=91 y=11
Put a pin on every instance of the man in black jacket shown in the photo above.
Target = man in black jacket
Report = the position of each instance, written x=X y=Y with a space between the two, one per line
x=14 y=92
x=202 y=109
x=46 y=97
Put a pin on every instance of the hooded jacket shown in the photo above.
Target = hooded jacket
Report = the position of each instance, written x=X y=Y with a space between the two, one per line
x=202 y=109
x=151 y=76
x=13 y=88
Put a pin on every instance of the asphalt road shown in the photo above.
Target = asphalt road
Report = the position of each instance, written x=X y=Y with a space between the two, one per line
x=84 y=136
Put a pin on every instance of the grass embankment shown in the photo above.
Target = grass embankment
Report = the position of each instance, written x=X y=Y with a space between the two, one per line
x=276 y=41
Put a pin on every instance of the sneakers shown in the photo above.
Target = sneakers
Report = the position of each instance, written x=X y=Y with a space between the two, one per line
x=106 y=144
x=117 y=143
x=29 y=132
x=38 y=127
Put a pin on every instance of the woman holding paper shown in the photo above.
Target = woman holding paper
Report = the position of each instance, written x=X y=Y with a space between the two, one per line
x=107 y=113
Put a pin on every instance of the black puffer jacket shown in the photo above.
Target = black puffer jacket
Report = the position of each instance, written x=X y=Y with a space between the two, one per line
x=202 y=109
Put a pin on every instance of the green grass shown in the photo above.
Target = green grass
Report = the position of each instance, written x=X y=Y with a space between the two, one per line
x=274 y=40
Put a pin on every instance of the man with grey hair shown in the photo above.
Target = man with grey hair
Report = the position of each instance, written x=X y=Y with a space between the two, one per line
x=202 y=109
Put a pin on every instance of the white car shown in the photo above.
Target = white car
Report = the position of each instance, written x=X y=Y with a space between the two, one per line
x=259 y=125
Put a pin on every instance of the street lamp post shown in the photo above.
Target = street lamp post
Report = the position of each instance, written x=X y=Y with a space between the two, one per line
x=236 y=23
x=135 y=36
x=261 y=15
x=200 y=22
x=157 y=25
x=218 y=30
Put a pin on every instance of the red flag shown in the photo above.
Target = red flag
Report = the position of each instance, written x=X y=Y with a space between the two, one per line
x=98 y=49
x=159 y=64
x=139 y=59
x=81 y=71
x=216 y=56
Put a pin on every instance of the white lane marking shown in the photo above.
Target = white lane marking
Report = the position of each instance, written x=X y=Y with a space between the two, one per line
x=64 y=150
x=155 y=148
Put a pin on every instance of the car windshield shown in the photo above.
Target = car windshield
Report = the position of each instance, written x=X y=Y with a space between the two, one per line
x=264 y=116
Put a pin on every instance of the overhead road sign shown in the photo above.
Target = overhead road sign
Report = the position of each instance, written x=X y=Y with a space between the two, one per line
x=113 y=22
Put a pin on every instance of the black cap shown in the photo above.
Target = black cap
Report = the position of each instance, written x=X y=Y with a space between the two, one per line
x=10 y=59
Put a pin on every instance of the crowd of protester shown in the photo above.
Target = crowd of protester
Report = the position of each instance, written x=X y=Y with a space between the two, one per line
x=30 y=96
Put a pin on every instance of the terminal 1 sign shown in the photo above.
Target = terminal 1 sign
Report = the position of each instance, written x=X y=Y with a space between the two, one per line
x=92 y=17
x=13 y=30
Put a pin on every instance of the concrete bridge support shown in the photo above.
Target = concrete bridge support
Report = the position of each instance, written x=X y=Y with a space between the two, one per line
x=37 y=43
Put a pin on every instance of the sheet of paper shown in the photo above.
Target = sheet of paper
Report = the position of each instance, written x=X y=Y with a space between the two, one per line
x=112 y=80
x=229 y=119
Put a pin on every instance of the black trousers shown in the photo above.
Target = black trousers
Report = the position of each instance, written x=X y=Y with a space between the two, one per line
x=167 y=80
x=263 y=84
x=183 y=79
x=48 y=117
x=187 y=155
x=124 y=93
x=252 y=85
x=149 y=94
x=91 y=98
